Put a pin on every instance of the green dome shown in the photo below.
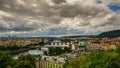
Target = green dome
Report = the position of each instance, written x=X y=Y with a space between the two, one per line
x=36 y=53
x=81 y=44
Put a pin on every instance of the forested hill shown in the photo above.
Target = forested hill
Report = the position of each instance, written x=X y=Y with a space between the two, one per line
x=110 y=34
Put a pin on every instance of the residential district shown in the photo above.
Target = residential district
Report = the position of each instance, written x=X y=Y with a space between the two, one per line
x=66 y=48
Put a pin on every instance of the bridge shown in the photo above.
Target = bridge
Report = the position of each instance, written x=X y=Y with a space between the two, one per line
x=47 y=46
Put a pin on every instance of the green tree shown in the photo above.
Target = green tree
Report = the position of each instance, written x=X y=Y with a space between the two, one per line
x=6 y=60
x=74 y=63
x=29 y=58
x=53 y=51
x=67 y=50
x=96 y=59
x=24 y=64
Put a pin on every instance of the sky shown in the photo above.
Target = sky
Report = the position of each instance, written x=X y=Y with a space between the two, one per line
x=58 y=17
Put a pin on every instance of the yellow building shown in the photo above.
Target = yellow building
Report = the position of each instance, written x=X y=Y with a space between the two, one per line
x=110 y=47
x=46 y=64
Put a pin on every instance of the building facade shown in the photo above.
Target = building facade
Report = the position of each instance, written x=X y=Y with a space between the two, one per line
x=46 y=64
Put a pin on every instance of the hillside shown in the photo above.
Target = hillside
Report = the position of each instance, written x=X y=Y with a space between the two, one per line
x=110 y=34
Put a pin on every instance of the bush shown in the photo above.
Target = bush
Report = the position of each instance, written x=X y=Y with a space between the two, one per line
x=29 y=58
x=54 y=51
x=96 y=59
x=6 y=60
x=24 y=64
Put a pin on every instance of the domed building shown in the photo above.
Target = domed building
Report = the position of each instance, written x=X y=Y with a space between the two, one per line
x=81 y=46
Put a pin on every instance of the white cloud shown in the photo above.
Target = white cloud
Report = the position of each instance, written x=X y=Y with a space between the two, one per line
x=17 y=16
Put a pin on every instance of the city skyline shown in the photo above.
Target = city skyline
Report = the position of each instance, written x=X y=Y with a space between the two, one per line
x=58 y=17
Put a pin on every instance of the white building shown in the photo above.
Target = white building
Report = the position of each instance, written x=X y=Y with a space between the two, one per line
x=58 y=43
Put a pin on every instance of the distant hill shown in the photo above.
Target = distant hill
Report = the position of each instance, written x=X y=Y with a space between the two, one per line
x=110 y=34
x=78 y=36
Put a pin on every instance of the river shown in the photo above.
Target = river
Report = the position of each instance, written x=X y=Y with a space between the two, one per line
x=27 y=52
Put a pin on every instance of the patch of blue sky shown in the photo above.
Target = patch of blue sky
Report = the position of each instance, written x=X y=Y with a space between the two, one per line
x=114 y=7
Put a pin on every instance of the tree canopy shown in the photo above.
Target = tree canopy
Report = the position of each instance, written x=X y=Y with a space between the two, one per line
x=27 y=58
x=96 y=59
x=6 y=60
x=53 y=51
x=24 y=61
x=24 y=64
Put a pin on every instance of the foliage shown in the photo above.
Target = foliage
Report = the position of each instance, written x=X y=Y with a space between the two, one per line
x=53 y=51
x=24 y=64
x=24 y=61
x=96 y=59
x=6 y=60
x=14 y=49
x=29 y=58
x=110 y=34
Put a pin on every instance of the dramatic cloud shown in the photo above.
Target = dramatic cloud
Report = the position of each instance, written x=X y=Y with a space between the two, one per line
x=59 y=1
x=58 y=16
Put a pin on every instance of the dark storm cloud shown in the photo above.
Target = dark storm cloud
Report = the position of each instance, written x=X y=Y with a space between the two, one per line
x=15 y=7
x=59 y=1
x=45 y=10
x=21 y=27
x=75 y=10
